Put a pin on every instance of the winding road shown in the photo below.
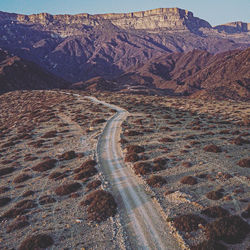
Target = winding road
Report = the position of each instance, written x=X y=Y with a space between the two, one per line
x=141 y=217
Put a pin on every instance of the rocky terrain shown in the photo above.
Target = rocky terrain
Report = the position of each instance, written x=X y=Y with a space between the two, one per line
x=191 y=157
x=80 y=47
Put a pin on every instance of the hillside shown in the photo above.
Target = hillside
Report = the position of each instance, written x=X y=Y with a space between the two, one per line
x=19 y=74
x=80 y=47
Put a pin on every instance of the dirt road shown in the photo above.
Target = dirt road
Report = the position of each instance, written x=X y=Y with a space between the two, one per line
x=141 y=218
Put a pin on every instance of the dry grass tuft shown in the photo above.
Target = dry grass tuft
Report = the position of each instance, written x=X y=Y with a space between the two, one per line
x=214 y=195
x=230 y=229
x=212 y=148
x=68 y=188
x=190 y=180
x=101 y=205
x=35 y=242
x=215 y=212
x=156 y=181
x=188 y=222
x=45 y=165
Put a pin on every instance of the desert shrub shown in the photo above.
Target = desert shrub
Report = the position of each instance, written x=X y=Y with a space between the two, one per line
x=134 y=149
x=230 y=229
x=37 y=144
x=188 y=222
x=26 y=204
x=67 y=188
x=156 y=181
x=101 y=205
x=214 y=195
x=85 y=165
x=190 y=180
x=46 y=200
x=209 y=245
x=30 y=158
x=123 y=141
x=186 y=164
x=7 y=170
x=50 y=134
x=57 y=176
x=86 y=172
x=35 y=242
x=246 y=213
x=98 y=121
x=28 y=193
x=159 y=164
x=22 y=178
x=132 y=157
x=4 y=201
x=68 y=155
x=142 y=168
x=132 y=133
x=215 y=212
x=4 y=189
x=18 y=223
x=93 y=184
x=240 y=141
x=244 y=163
x=45 y=165
x=212 y=148
x=166 y=139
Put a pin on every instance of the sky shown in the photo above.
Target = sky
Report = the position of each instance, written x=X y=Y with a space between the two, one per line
x=214 y=11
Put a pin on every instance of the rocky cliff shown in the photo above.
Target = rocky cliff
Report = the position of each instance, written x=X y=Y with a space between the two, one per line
x=234 y=27
x=168 y=18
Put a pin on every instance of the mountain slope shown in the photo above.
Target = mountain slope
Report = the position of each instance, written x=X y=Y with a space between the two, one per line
x=80 y=47
x=188 y=73
x=19 y=74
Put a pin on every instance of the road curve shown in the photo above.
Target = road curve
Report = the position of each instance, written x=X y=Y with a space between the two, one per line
x=141 y=218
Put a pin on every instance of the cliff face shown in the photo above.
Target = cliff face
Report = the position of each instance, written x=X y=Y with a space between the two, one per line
x=169 y=18
x=234 y=27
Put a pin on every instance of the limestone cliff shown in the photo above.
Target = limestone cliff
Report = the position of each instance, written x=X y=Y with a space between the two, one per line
x=168 y=18
x=234 y=27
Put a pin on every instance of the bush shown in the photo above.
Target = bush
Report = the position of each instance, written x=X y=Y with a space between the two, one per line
x=46 y=200
x=214 y=195
x=85 y=165
x=156 y=181
x=134 y=149
x=132 y=133
x=4 y=201
x=7 y=170
x=101 y=205
x=166 y=139
x=26 y=204
x=57 y=176
x=45 y=165
x=94 y=184
x=98 y=121
x=85 y=173
x=67 y=188
x=19 y=223
x=159 y=164
x=50 y=134
x=190 y=180
x=246 y=213
x=133 y=157
x=22 y=178
x=212 y=148
x=244 y=163
x=188 y=222
x=230 y=229
x=209 y=245
x=142 y=168
x=239 y=141
x=215 y=212
x=35 y=242
x=28 y=193
x=4 y=189
x=68 y=155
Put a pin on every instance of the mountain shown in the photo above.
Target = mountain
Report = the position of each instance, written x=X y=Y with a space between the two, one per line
x=224 y=75
x=81 y=47
x=234 y=27
x=19 y=74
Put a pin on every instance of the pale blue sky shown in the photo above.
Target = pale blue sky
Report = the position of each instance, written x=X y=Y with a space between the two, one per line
x=214 y=11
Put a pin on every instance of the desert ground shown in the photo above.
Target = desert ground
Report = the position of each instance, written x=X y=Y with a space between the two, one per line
x=189 y=157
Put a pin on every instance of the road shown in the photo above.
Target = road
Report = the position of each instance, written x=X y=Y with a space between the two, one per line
x=140 y=215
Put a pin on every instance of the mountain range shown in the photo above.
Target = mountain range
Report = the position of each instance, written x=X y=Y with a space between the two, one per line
x=166 y=51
